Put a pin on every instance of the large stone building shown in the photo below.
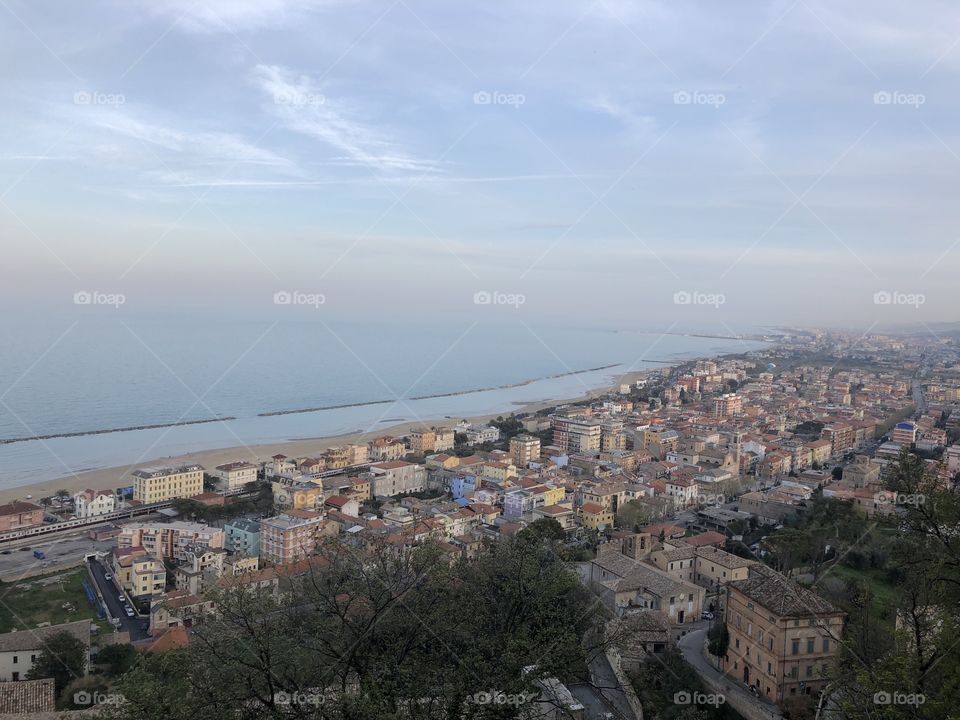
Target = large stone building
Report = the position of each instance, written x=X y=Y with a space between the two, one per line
x=783 y=637
x=152 y=485
x=578 y=435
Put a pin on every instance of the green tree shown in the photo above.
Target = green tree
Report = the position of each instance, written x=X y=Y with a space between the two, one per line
x=116 y=659
x=63 y=658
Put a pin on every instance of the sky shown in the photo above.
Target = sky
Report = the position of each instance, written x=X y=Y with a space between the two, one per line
x=619 y=161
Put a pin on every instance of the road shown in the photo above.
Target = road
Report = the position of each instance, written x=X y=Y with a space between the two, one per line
x=110 y=591
x=691 y=645
x=607 y=688
x=68 y=548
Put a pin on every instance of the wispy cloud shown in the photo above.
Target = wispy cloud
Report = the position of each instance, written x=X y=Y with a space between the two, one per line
x=303 y=108
x=231 y=15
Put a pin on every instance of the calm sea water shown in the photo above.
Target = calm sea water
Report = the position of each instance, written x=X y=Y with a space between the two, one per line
x=103 y=373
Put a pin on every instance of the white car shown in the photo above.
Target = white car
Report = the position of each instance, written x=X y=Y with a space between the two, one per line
x=108 y=576
x=122 y=598
x=130 y=612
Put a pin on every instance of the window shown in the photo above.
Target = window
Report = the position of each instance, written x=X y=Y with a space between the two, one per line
x=809 y=670
x=14 y=659
x=795 y=650
x=826 y=644
x=749 y=629
x=810 y=642
x=770 y=645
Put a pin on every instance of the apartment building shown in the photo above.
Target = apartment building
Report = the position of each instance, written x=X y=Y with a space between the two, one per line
x=524 y=449
x=169 y=540
x=140 y=574
x=727 y=405
x=579 y=435
x=841 y=436
x=152 y=485
x=242 y=537
x=431 y=441
x=708 y=567
x=235 y=475
x=289 y=537
x=386 y=448
x=397 y=477
x=905 y=433
x=90 y=503
x=783 y=637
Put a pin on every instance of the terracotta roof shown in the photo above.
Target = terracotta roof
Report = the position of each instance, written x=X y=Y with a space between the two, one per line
x=27 y=696
x=781 y=595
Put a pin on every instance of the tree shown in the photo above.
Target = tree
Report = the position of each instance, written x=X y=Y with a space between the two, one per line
x=837 y=472
x=63 y=658
x=116 y=659
x=381 y=632
x=719 y=638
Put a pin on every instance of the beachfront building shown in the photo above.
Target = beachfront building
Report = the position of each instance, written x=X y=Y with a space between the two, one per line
x=233 y=476
x=90 y=503
x=151 y=485
x=386 y=448
x=579 y=434
x=434 y=440
x=397 y=478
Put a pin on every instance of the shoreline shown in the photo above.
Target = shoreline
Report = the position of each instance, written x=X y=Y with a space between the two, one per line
x=115 y=477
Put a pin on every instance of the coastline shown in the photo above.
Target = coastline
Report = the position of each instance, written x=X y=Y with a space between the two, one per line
x=115 y=477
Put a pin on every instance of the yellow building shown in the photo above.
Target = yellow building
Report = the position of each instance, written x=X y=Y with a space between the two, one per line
x=553 y=495
x=524 y=449
x=151 y=485
x=595 y=517
x=499 y=471
x=303 y=496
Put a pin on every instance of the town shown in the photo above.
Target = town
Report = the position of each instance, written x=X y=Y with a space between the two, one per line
x=731 y=519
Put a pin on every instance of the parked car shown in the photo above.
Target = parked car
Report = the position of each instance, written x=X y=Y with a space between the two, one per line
x=108 y=576
x=707 y=615
x=122 y=597
x=130 y=612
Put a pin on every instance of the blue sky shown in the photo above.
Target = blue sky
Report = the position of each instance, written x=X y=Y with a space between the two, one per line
x=795 y=158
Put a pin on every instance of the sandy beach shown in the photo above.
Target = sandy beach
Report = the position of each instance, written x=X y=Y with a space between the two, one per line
x=114 y=477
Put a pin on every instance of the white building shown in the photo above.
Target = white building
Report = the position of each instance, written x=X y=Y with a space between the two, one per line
x=89 y=503
x=19 y=649
x=235 y=475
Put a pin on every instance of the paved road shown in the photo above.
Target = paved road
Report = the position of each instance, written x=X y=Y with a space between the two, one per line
x=136 y=626
x=691 y=646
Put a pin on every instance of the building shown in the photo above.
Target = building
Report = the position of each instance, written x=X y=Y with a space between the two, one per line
x=28 y=697
x=783 y=637
x=397 y=477
x=386 y=448
x=905 y=433
x=595 y=516
x=90 y=503
x=151 y=485
x=19 y=649
x=524 y=449
x=579 y=434
x=479 y=434
x=200 y=570
x=19 y=515
x=242 y=537
x=235 y=475
x=433 y=440
x=169 y=540
x=627 y=586
x=289 y=537
x=727 y=405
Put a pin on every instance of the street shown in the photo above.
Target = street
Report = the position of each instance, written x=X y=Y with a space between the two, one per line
x=110 y=591
x=691 y=646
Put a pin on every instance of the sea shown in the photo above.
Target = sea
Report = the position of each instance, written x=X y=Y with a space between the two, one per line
x=103 y=374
